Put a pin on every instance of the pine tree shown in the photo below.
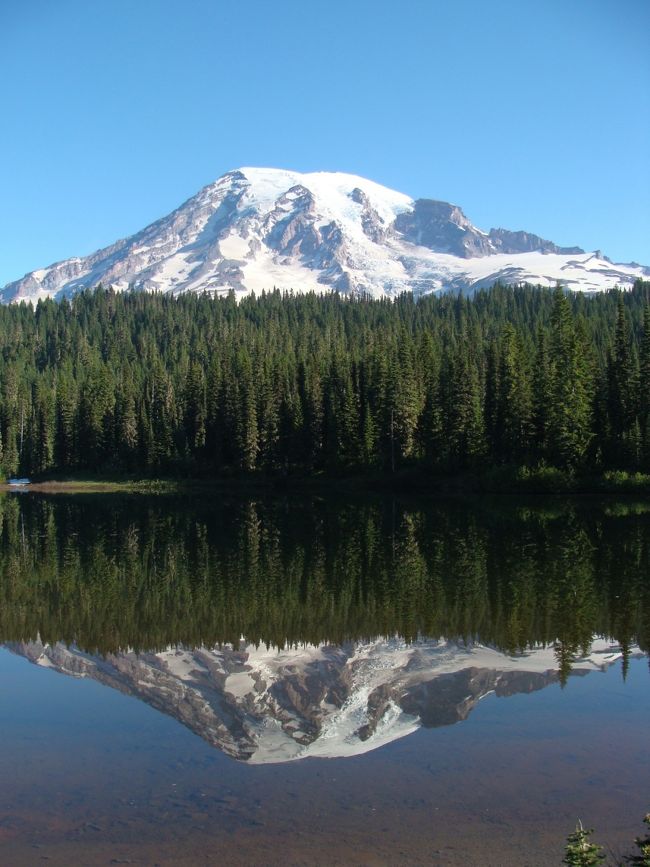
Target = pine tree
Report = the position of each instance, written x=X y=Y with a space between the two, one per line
x=580 y=851
x=404 y=400
x=621 y=391
x=313 y=401
x=643 y=843
x=246 y=440
x=644 y=390
x=570 y=388
x=213 y=421
x=160 y=413
x=42 y=433
x=126 y=422
x=369 y=436
x=269 y=402
x=464 y=429
x=194 y=419
x=95 y=424
x=514 y=404
x=342 y=416
x=541 y=395
x=493 y=399
x=66 y=414
x=430 y=423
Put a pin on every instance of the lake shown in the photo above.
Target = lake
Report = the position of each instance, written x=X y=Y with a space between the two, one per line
x=320 y=680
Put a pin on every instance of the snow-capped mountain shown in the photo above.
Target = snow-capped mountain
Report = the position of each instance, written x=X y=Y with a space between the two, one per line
x=276 y=705
x=255 y=229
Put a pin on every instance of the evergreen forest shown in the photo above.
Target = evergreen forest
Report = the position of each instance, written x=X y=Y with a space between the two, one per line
x=288 y=384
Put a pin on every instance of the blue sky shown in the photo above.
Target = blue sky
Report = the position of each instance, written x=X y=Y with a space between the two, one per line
x=528 y=114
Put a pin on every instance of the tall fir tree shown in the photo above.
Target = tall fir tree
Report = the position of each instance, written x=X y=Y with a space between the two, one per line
x=569 y=420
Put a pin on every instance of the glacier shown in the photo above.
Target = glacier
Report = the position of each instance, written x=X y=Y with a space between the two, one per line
x=259 y=229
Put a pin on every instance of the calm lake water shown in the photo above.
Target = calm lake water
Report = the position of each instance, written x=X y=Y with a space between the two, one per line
x=320 y=680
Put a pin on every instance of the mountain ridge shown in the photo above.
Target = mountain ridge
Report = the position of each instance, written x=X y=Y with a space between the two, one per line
x=257 y=229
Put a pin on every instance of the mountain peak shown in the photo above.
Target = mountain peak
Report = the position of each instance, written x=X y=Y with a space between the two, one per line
x=258 y=228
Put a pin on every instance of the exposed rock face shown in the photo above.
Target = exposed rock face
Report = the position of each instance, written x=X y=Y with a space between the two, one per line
x=256 y=229
x=504 y=241
x=443 y=228
x=262 y=705
x=289 y=227
x=373 y=224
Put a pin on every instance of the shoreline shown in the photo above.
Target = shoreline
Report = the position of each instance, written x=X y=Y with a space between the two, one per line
x=493 y=483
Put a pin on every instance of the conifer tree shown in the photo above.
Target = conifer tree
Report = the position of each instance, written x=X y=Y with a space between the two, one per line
x=246 y=432
x=541 y=395
x=269 y=405
x=312 y=391
x=123 y=381
x=621 y=391
x=213 y=421
x=195 y=408
x=580 y=851
x=493 y=399
x=126 y=422
x=96 y=405
x=514 y=405
x=644 y=390
x=404 y=397
x=159 y=411
x=464 y=434
x=570 y=388
x=65 y=432
x=42 y=432
x=642 y=858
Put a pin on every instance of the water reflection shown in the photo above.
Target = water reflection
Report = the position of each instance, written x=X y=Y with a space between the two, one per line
x=184 y=604
x=265 y=705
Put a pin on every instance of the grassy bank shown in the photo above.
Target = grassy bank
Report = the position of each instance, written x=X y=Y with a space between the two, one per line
x=498 y=480
x=94 y=486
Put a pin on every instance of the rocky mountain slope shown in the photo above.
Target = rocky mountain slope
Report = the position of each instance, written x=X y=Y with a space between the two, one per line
x=275 y=705
x=256 y=229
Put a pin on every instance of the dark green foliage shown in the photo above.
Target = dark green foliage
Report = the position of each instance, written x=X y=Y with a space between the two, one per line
x=514 y=416
x=214 y=568
x=642 y=859
x=644 y=391
x=570 y=388
x=622 y=392
x=464 y=434
x=281 y=384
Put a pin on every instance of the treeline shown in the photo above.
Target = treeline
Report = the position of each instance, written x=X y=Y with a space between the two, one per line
x=109 y=573
x=280 y=383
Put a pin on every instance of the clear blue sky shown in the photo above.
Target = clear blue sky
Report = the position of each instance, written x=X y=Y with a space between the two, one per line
x=528 y=114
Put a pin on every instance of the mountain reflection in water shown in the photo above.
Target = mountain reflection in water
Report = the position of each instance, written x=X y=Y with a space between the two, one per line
x=270 y=705
x=184 y=604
